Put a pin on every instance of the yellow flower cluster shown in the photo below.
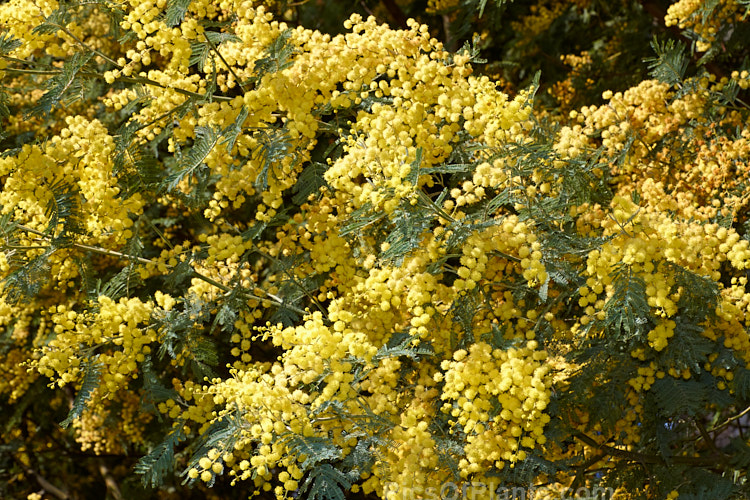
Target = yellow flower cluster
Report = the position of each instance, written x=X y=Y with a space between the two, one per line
x=661 y=333
x=513 y=248
x=704 y=19
x=642 y=109
x=322 y=356
x=497 y=397
x=446 y=340
x=209 y=466
x=648 y=241
x=15 y=373
x=441 y=5
x=21 y=17
x=116 y=325
x=271 y=406
x=647 y=375
x=742 y=78
x=313 y=349
x=97 y=430
x=643 y=237
x=416 y=450
x=540 y=17
x=433 y=100
x=638 y=127
x=78 y=159
x=225 y=247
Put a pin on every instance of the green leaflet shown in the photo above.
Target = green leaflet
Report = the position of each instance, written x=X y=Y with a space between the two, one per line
x=155 y=466
x=91 y=379
x=66 y=87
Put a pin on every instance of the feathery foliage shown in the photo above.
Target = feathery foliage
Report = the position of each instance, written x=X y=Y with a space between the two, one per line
x=284 y=249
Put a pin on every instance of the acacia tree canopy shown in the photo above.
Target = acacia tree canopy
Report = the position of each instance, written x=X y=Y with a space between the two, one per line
x=330 y=250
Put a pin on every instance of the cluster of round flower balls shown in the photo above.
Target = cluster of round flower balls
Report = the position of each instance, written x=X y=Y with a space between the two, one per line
x=79 y=158
x=272 y=408
x=705 y=21
x=450 y=108
x=649 y=242
x=631 y=124
x=497 y=397
x=15 y=376
x=20 y=17
x=681 y=199
x=432 y=101
x=642 y=109
x=643 y=237
x=415 y=461
x=118 y=324
x=565 y=91
x=98 y=429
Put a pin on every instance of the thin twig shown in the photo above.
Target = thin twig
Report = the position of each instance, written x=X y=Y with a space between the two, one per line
x=644 y=458
x=148 y=81
x=49 y=486
x=216 y=51
x=83 y=44
x=122 y=79
x=15 y=59
x=112 y=487
x=43 y=482
x=81 y=246
x=34 y=71
x=731 y=419
x=103 y=251
x=583 y=469
x=709 y=441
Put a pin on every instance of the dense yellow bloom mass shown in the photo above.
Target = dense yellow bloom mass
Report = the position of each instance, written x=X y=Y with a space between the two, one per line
x=704 y=19
x=427 y=100
x=115 y=324
x=519 y=382
x=453 y=257
x=79 y=159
